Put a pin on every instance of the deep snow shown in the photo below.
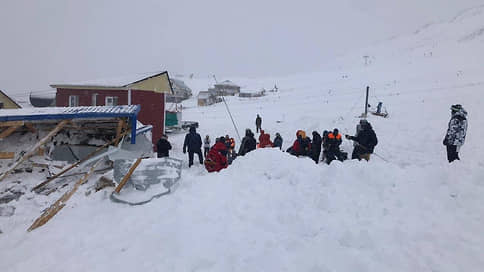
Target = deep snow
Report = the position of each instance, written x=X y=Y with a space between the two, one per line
x=273 y=212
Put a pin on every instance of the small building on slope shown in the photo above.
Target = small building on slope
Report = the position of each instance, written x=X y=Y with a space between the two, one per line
x=226 y=88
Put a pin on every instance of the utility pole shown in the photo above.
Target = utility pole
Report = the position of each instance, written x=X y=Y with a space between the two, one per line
x=366 y=101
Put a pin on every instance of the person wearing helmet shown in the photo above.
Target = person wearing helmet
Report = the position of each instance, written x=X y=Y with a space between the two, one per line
x=456 y=132
x=302 y=145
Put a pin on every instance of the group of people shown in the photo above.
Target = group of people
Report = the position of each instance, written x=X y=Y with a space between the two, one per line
x=365 y=141
x=222 y=153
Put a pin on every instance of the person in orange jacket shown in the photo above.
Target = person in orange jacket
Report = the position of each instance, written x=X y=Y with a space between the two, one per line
x=334 y=141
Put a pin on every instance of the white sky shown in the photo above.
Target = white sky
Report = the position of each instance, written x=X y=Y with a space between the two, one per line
x=43 y=42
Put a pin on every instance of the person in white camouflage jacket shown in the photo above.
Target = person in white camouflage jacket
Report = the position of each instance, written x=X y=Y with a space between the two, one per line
x=456 y=133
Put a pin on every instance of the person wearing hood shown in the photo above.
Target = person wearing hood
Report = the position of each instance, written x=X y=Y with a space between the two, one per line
x=278 y=141
x=163 y=147
x=248 y=143
x=216 y=159
x=265 y=139
x=193 y=142
x=365 y=140
x=301 y=146
x=456 y=132
x=316 y=146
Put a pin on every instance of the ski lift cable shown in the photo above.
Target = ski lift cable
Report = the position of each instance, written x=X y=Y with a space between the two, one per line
x=230 y=114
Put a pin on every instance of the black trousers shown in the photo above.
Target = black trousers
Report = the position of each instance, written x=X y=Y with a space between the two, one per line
x=452 y=154
x=205 y=151
x=190 y=156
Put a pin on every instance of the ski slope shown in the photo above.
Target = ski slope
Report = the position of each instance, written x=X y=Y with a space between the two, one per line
x=406 y=209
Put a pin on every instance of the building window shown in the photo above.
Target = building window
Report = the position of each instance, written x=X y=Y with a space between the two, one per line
x=111 y=101
x=73 y=101
x=94 y=99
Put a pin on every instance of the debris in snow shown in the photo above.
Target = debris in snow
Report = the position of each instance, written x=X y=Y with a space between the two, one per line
x=12 y=193
x=7 y=211
x=103 y=182
x=153 y=178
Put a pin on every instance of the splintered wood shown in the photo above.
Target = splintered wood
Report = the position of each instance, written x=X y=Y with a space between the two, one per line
x=8 y=131
x=78 y=162
x=7 y=155
x=61 y=202
x=126 y=178
x=34 y=150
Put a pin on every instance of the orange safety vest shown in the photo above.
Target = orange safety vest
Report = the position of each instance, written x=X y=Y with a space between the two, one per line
x=331 y=136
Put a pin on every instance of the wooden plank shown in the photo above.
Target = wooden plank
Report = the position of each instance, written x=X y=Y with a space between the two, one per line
x=33 y=151
x=7 y=155
x=8 y=131
x=30 y=127
x=126 y=177
x=76 y=163
x=11 y=124
x=61 y=202
x=119 y=130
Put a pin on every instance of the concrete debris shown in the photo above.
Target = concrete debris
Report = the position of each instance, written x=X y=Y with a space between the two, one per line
x=7 y=211
x=12 y=193
x=149 y=172
x=153 y=178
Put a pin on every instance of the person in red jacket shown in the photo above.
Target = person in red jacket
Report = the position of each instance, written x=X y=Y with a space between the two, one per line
x=216 y=159
x=301 y=146
x=265 y=139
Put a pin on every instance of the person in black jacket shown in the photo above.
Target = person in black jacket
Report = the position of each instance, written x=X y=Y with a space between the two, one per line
x=163 y=147
x=333 y=143
x=258 y=123
x=316 y=147
x=193 y=142
x=278 y=141
x=365 y=140
x=248 y=143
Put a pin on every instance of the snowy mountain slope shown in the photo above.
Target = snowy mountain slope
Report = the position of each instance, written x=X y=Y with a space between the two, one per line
x=410 y=211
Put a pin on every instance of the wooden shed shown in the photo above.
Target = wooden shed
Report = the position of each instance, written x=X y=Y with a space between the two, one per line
x=146 y=90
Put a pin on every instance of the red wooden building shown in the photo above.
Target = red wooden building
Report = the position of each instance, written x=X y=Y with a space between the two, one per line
x=146 y=90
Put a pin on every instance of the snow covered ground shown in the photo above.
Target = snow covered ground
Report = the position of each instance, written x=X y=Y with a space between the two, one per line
x=406 y=209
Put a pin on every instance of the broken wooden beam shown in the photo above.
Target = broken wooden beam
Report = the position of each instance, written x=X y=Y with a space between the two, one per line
x=127 y=176
x=11 y=124
x=76 y=163
x=8 y=131
x=30 y=127
x=119 y=130
x=33 y=151
x=7 y=155
x=61 y=202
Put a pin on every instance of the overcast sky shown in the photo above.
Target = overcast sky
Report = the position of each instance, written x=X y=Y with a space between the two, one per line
x=43 y=42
